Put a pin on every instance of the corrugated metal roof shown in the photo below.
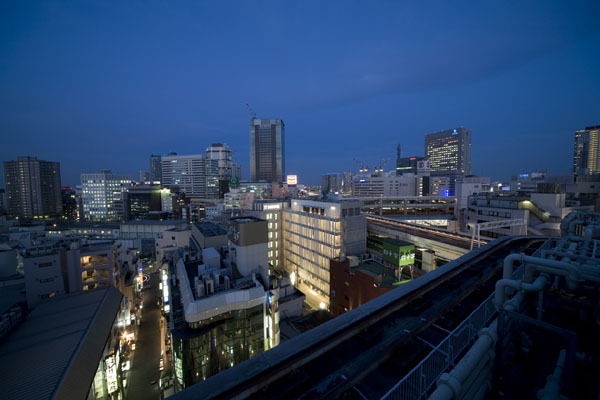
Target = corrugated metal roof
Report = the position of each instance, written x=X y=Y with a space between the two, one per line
x=37 y=356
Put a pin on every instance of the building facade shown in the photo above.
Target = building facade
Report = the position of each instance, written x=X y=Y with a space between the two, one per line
x=228 y=308
x=222 y=153
x=386 y=185
x=195 y=175
x=449 y=154
x=32 y=188
x=332 y=182
x=314 y=233
x=98 y=194
x=267 y=151
x=272 y=211
x=586 y=155
x=155 y=168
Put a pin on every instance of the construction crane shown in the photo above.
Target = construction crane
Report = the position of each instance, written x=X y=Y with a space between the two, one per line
x=251 y=110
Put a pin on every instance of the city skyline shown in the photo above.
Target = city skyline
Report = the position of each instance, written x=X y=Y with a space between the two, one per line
x=357 y=86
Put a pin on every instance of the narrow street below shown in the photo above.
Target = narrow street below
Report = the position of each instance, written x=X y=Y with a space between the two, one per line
x=143 y=383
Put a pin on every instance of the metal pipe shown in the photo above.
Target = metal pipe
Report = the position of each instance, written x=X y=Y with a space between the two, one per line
x=572 y=226
x=502 y=284
x=450 y=384
x=510 y=260
x=509 y=263
x=552 y=389
x=564 y=254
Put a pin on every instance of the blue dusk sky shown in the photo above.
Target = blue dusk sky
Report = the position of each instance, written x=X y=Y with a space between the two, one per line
x=102 y=85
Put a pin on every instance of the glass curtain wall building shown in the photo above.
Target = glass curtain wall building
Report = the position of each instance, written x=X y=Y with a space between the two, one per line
x=267 y=155
x=155 y=168
x=586 y=156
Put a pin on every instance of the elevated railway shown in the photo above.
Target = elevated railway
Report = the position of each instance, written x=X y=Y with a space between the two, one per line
x=427 y=232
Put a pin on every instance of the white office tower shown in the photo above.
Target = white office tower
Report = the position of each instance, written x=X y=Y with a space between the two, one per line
x=196 y=175
x=314 y=233
x=99 y=192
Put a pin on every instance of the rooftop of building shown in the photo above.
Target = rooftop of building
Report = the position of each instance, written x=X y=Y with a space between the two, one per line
x=246 y=219
x=210 y=229
x=56 y=350
x=12 y=294
x=375 y=269
x=181 y=228
x=155 y=222
x=87 y=225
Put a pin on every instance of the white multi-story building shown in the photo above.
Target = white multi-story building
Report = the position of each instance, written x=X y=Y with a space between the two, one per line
x=314 y=233
x=386 y=185
x=196 y=175
x=272 y=211
x=468 y=186
x=98 y=194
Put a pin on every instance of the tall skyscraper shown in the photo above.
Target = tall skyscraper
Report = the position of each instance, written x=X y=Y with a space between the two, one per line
x=398 y=157
x=196 y=175
x=331 y=182
x=144 y=177
x=236 y=171
x=32 y=188
x=99 y=194
x=155 y=168
x=267 y=153
x=586 y=155
x=222 y=153
x=449 y=154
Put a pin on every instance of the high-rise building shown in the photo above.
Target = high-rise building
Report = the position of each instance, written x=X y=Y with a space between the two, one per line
x=267 y=153
x=2 y=202
x=272 y=211
x=69 y=204
x=32 y=188
x=331 y=182
x=586 y=155
x=449 y=154
x=407 y=165
x=144 y=177
x=195 y=175
x=449 y=151
x=347 y=183
x=314 y=233
x=143 y=201
x=99 y=194
x=155 y=168
x=236 y=172
x=222 y=153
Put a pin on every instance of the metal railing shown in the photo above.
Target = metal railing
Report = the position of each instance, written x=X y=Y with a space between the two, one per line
x=417 y=383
